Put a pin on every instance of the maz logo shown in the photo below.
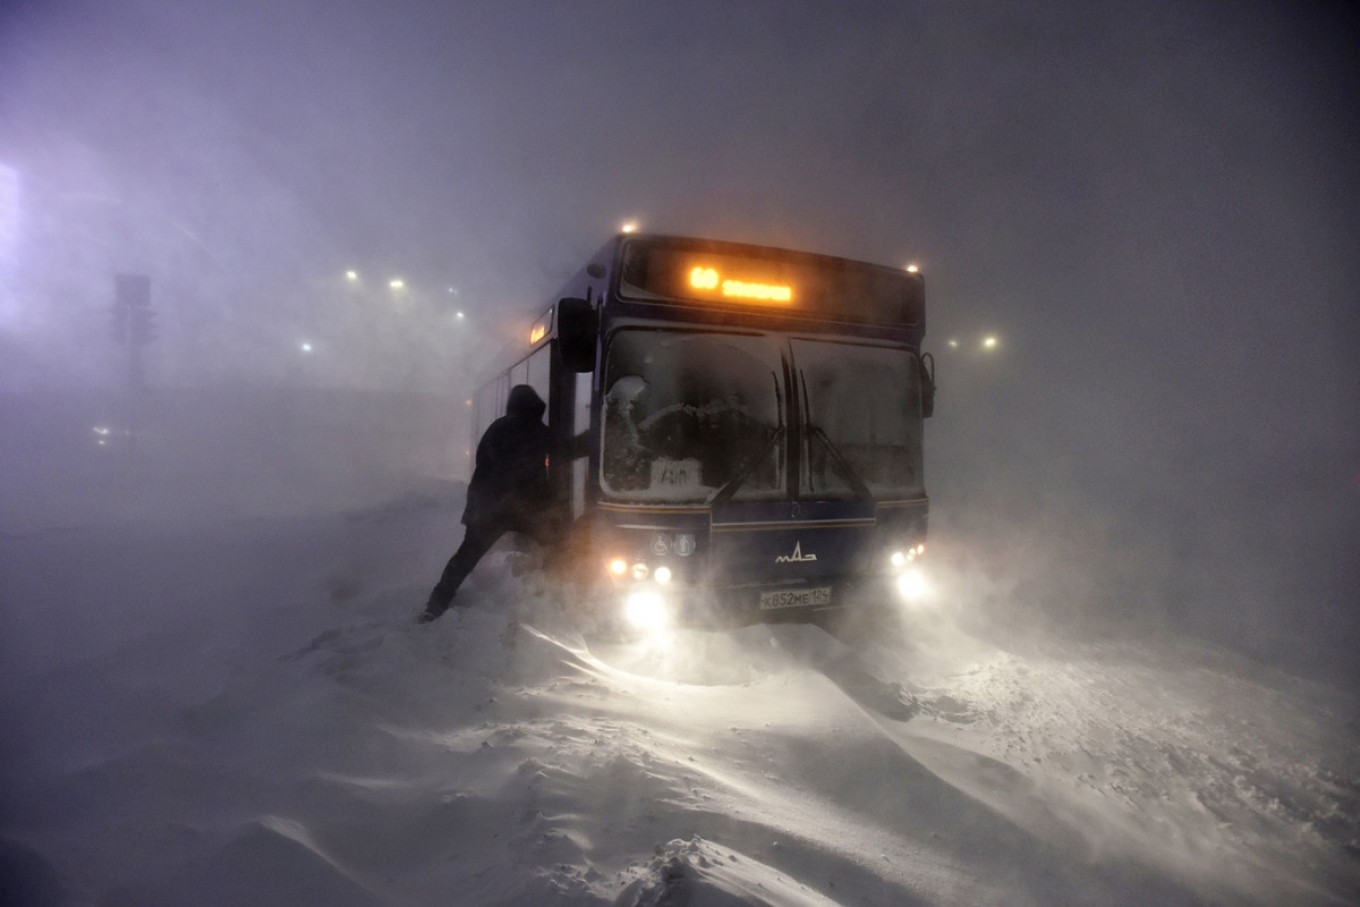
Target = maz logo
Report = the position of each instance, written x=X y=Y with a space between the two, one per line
x=796 y=557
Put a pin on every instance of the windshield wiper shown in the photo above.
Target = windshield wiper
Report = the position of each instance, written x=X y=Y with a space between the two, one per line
x=843 y=466
x=732 y=485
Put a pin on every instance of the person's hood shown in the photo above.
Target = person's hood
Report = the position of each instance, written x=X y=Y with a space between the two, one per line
x=525 y=403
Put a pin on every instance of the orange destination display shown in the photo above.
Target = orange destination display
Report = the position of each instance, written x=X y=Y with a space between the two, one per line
x=668 y=270
x=708 y=280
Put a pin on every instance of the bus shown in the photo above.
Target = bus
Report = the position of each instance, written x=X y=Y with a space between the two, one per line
x=736 y=429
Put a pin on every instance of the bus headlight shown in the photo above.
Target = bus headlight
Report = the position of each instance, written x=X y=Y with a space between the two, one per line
x=901 y=557
x=646 y=610
x=662 y=575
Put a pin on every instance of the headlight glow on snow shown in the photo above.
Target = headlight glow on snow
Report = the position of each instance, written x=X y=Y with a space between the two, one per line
x=646 y=610
x=912 y=586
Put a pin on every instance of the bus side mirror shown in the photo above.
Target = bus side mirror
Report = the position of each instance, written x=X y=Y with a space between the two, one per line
x=577 y=325
x=925 y=373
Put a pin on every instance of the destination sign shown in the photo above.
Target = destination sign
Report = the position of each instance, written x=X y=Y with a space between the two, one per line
x=676 y=270
x=706 y=279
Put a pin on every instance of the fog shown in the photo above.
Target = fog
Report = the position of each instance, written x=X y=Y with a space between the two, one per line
x=345 y=209
x=1154 y=210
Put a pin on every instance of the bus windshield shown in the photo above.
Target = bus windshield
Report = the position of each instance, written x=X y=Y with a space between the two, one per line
x=861 y=420
x=693 y=417
x=689 y=414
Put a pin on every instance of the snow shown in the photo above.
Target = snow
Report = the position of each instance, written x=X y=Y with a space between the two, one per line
x=243 y=711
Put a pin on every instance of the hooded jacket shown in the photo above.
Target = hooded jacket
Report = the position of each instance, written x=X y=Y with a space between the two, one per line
x=510 y=476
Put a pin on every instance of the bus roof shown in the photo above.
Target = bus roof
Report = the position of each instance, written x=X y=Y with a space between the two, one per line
x=685 y=271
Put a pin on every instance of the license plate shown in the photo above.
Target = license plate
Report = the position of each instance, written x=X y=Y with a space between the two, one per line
x=795 y=598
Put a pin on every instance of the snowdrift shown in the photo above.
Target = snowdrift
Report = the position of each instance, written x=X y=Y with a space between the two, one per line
x=245 y=712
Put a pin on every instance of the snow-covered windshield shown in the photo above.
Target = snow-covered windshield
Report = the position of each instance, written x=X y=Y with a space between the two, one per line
x=863 y=422
x=688 y=414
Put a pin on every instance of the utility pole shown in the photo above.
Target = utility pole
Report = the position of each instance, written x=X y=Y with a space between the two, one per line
x=133 y=327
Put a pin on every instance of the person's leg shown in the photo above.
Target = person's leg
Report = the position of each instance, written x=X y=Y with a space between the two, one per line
x=477 y=541
x=536 y=534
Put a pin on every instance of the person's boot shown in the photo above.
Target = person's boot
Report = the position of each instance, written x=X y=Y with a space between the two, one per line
x=433 y=611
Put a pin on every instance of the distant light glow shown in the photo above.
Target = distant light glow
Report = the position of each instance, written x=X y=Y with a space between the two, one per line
x=397 y=283
x=460 y=316
x=352 y=276
x=913 y=269
x=630 y=226
x=305 y=346
x=537 y=333
x=989 y=342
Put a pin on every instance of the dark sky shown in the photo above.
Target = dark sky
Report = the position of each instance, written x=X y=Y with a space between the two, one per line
x=1145 y=173
x=1156 y=206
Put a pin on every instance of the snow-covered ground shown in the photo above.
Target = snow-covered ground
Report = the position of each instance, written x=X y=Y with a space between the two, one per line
x=242 y=711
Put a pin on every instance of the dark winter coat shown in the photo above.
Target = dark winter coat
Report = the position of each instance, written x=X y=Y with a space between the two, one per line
x=510 y=478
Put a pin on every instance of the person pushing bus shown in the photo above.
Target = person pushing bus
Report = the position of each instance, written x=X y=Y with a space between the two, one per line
x=508 y=492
